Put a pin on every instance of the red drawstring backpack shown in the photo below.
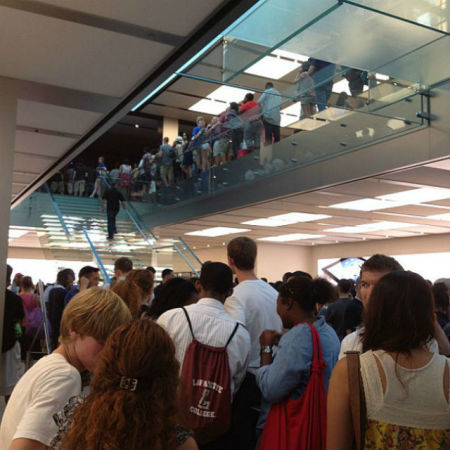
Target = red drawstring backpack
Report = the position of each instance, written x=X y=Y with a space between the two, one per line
x=206 y=402
x=300 y=424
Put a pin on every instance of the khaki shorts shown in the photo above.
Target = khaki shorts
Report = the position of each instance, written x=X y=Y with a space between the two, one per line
x=221 y=147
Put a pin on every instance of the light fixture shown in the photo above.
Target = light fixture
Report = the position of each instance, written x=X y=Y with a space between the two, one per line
x=445 y=216
x=228 y=94
x=290 y=237
x=217 y=231
x=364 y=204
x=136 y=125
x=286 y=219
x=373 y=226
x=415 y=196
x=272 y=67
x=209 y=106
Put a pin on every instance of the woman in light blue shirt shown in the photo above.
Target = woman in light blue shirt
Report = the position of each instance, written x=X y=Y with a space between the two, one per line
x=287 y=372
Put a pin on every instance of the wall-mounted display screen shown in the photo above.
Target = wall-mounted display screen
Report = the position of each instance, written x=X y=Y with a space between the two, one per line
x=347 y=268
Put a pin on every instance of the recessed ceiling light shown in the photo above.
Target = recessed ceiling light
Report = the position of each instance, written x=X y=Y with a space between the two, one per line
x=208 y=106
x=364 y=204
x=373 y=226
x=228 y=94
x=415 y=196
x=272 y=67
x=217 y=231
x=290 y=237
x=136 y=125
x=286 y=219
x=445 y=216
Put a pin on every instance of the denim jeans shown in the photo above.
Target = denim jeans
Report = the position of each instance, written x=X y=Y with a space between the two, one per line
x=323 y=92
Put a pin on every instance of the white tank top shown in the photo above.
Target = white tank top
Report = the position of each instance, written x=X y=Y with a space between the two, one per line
x=419 y=403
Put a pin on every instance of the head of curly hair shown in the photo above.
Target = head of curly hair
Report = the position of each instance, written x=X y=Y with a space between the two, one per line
x=135 y=289
x=113 y=418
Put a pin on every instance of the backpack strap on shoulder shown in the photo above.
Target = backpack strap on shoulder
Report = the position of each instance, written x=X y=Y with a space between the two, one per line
x=232 y=334
x=189 y=321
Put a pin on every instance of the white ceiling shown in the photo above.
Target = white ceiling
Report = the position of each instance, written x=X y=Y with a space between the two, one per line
x=75 y=60
x=317 y=202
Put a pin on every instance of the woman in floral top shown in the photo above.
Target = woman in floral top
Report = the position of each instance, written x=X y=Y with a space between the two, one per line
x=133 y=397
x=406 y=387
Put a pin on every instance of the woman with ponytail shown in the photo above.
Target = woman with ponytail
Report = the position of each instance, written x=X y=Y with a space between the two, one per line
x=133 y=399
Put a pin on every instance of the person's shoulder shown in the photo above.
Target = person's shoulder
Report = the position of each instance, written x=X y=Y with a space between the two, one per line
x=55 y=365
x=12 y=297
x=351 y=342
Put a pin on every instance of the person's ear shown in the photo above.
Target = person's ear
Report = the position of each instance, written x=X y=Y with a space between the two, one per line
x=198 y=285
x=289 y=303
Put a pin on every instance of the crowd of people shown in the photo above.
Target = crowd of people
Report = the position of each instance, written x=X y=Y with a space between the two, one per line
x=238 y=131
x=229 y=360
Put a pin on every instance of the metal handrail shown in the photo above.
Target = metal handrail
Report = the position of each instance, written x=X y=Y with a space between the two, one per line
x=97 y=257
x=189 y=249
x=58 y=211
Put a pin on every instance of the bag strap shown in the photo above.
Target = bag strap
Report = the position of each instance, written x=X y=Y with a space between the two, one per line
x=317 y=347
x=189 y=321
x=357 y=398
x=232 y=334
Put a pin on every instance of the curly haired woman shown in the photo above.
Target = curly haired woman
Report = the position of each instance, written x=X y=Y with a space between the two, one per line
x=133 y=402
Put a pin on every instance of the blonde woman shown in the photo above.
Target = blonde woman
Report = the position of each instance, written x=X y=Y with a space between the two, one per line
x=44 y=389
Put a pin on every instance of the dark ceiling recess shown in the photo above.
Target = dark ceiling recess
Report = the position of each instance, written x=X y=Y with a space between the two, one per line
x=226 y=14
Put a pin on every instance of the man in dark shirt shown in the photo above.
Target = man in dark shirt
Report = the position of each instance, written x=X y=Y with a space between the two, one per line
x=113 y=198
x=55 y=305
x=14 y=314
x=336 y=310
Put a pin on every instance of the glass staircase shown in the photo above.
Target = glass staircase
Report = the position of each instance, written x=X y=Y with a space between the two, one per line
x=73 y=228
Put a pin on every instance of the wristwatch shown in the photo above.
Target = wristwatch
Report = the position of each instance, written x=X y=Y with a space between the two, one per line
x=266 y=349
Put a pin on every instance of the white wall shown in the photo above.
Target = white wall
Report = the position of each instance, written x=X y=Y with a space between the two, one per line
x=274 y=260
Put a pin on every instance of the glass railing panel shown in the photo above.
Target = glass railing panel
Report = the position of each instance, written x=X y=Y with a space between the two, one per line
x=305 y=139
x=275 y=19
x=428 y=65
x=428 y=13
x=333 y=38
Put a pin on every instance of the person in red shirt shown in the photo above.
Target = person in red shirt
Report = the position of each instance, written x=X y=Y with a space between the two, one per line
x=250 y=115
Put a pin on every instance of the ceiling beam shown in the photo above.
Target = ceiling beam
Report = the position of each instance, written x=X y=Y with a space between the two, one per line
x=92 y=20
x=65 y=97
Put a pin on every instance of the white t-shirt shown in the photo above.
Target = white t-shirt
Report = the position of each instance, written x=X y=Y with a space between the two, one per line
x=353 y=343
x=41 y=392
x=254 y=304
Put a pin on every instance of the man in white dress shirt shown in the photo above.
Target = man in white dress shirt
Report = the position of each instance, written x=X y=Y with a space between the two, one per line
x=211 y=324
x=254 y=304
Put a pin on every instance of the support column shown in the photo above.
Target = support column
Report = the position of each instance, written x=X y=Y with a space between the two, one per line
x=170 y=128
x=8 y=115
